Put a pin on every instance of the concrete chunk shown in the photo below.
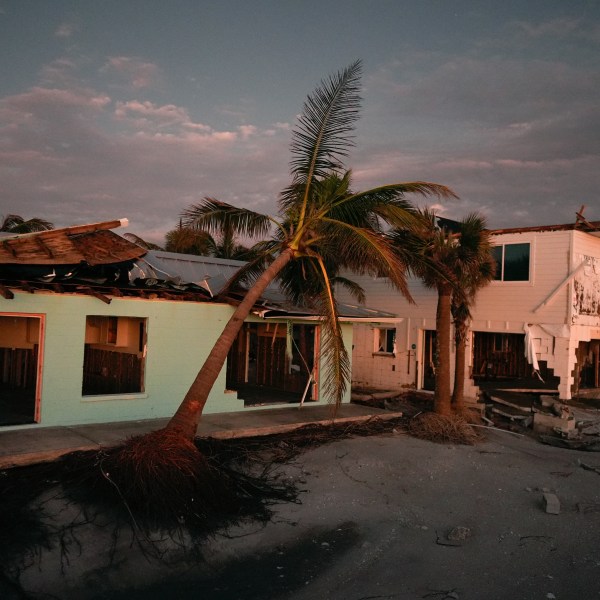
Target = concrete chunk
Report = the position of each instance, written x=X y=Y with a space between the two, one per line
x=551 y=503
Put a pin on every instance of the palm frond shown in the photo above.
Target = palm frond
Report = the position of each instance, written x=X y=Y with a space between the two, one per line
x=337 y=366
x=17 y=224
x=263 y=254
x=216 y=216
x=354 y=289
x=323 y=135
x=362 y=250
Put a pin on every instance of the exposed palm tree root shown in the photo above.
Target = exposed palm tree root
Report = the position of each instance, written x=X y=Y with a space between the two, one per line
x=453 y=429
x=165 y=482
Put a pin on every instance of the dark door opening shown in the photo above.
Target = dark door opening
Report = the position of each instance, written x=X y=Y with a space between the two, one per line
x=20 y=340
x=270 y=363
x=429 y=360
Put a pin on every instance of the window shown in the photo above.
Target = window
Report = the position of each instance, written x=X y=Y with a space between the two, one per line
x=385 y=341
x=114 y=356
x=512 y=262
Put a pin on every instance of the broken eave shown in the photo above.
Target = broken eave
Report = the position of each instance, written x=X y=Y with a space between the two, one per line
x=104 y=293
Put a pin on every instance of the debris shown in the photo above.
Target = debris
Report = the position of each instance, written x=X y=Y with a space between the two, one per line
x=587 y=507
x=459 y=534
x=591 y=445
x=547 y=401
x=589 y=467
x=498 y=429
x=545 y=423
x=552 y=503
x=443 y=429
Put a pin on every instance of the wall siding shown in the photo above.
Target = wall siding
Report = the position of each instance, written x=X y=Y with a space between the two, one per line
x=506 y=307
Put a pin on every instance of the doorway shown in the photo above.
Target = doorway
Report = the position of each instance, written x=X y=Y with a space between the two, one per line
x=20 y=368
x=272 y=363
x=428 y=361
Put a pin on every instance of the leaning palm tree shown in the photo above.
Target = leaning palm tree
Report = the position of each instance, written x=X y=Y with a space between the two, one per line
x=323 y=226
x=17 y=224
x=474 y=268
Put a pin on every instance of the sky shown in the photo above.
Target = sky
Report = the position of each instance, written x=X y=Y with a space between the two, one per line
x=139 y=108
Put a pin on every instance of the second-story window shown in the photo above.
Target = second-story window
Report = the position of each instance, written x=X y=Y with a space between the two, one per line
x=512 y=262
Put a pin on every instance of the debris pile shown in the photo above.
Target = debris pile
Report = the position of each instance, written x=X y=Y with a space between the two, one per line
x=554 y=422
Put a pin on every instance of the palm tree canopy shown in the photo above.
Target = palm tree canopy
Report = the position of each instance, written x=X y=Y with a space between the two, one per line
x=323 y=224
x=141 y=242
x=17 y=224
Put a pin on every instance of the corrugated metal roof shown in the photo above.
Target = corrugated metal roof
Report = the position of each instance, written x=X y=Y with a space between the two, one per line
x=213 y=273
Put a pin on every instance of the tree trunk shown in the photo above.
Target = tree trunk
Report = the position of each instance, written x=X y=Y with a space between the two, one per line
x=187 y=416
x=458 y=392
x=441 y=397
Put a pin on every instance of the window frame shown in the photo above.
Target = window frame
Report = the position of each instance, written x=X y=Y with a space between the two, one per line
x=389 y=341
x=501 y=261
x=111 y=338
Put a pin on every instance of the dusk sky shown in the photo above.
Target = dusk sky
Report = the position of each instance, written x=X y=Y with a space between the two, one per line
x=138 y=108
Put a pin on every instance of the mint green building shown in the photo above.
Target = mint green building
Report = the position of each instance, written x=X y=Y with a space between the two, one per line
x=98 y=349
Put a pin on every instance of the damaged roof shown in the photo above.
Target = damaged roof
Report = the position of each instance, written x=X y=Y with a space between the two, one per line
x=90 y=259
x=93 y=244
x=213 y=273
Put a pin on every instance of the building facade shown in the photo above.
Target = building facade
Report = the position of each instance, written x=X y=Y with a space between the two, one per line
x=539 y=320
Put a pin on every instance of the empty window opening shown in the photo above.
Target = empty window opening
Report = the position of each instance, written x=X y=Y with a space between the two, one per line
x=114 y=356
x=385 y=340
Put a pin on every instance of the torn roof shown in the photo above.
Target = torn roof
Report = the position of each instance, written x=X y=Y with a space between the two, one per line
x=90 y=259
x=213 y=273
x=92 y=244
x=592 y=227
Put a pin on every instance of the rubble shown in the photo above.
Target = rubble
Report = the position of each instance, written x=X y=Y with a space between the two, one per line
x=551 y=503
x=554 y=422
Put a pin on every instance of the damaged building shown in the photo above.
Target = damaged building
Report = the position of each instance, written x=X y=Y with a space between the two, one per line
x=536 y=326
x=94 y=329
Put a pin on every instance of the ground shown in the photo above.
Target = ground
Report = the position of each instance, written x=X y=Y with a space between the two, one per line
x=386 y=516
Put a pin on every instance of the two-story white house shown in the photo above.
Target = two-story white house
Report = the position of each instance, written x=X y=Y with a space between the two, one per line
x=540 y=318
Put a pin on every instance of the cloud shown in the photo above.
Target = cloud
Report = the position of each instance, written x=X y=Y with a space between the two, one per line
x=139 y=74
x=76 y=156
x=66 y=29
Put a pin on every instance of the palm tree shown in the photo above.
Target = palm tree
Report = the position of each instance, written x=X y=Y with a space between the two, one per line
x=474 y=269
x=323 y=226
x=191 y=239
x=17 y=224
x=430 y=251
x=184 y=240
x=136 y=239
x=454 y=258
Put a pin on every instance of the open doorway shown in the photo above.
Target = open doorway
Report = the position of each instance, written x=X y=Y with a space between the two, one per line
x=271 y=363
x=587 y=368
x=20 y=368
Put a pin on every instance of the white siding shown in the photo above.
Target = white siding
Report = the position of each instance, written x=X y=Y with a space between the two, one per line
x=545 y=302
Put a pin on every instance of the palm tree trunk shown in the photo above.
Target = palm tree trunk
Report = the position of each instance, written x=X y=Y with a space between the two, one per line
x=187 y=416
x=458 y=391
x=441 y=398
